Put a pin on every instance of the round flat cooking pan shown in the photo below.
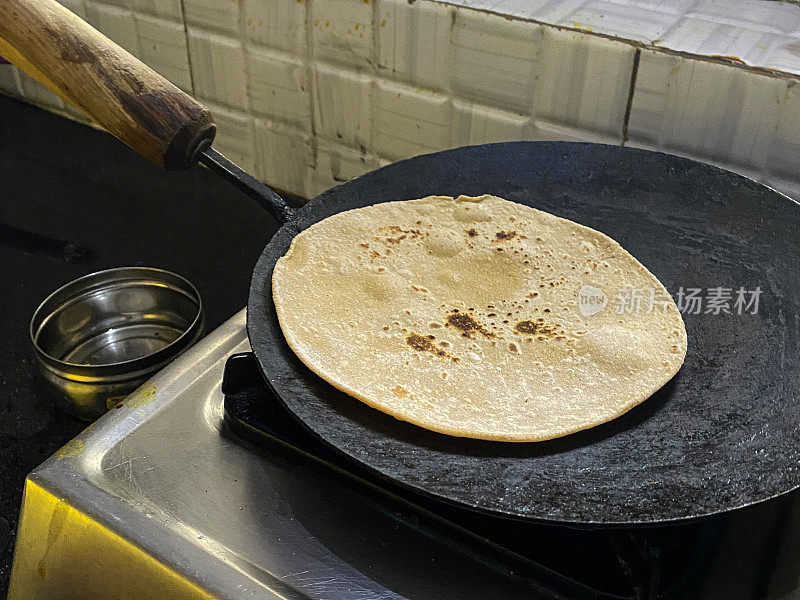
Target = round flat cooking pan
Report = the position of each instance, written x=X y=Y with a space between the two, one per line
x=724 y=433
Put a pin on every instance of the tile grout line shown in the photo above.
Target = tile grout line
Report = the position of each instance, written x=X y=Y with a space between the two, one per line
x=629 y=105
x=311 y=83
x=374 y=78
x=448 y=88
x=448 y=85
x=248 y=111
x=245 y=45
x=186 y=41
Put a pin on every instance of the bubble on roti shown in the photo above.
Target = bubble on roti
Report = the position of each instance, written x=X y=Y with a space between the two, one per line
x=463 y=316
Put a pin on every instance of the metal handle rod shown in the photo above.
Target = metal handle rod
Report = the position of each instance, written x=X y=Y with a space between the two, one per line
x=266 y=197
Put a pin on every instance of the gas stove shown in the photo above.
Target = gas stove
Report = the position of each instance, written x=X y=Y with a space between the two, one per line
x=200 y=486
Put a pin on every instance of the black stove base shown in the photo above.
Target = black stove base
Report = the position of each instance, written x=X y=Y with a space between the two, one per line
x=752 y=553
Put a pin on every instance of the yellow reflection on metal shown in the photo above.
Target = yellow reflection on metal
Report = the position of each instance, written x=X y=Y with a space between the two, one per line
x=62 y=553
x=71 y=449
x=142 y=396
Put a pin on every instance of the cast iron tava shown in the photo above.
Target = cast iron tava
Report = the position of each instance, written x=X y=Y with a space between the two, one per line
x=723 y=434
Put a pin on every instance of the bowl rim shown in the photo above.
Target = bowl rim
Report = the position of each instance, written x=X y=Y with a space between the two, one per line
x=122 y=370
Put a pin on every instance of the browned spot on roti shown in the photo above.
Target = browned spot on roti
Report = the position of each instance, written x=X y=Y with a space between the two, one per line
x=424 y=343
x=472 y=232
x=397 y=234
x=539 y=328
x=400 y=391
x=466 y=324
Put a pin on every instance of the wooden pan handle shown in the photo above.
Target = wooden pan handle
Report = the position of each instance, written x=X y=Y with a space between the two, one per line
x=88 y=70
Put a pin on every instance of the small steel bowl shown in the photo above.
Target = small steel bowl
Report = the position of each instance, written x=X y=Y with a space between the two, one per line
x=100 y=337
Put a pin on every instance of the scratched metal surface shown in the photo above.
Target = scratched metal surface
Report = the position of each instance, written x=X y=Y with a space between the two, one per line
x=164 y=473
x=724 y=433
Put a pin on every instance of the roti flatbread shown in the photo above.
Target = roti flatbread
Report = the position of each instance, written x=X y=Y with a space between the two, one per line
x=477 y=317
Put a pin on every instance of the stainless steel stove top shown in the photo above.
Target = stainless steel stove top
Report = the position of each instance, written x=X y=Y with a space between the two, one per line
x=159 y=499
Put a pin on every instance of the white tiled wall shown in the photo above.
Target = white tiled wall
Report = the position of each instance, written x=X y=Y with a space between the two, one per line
x=278 y=24
x=342 y=102
x=218 y=68
x=641 y=22
x=286 y=159
x=748 y=122
x=474 y=123
x=338 y=163
x=278 y=87
x=162 y=45
x=410 y=120
x=756 y=32
x=308 y=93
x=171 y=10
x=213 y=15
x=583 y=82
x=494 y=59
x=341 y=32
x=112 y=18
x=413 y=45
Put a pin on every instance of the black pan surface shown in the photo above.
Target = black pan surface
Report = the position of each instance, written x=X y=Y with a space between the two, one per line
x=724 y=433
